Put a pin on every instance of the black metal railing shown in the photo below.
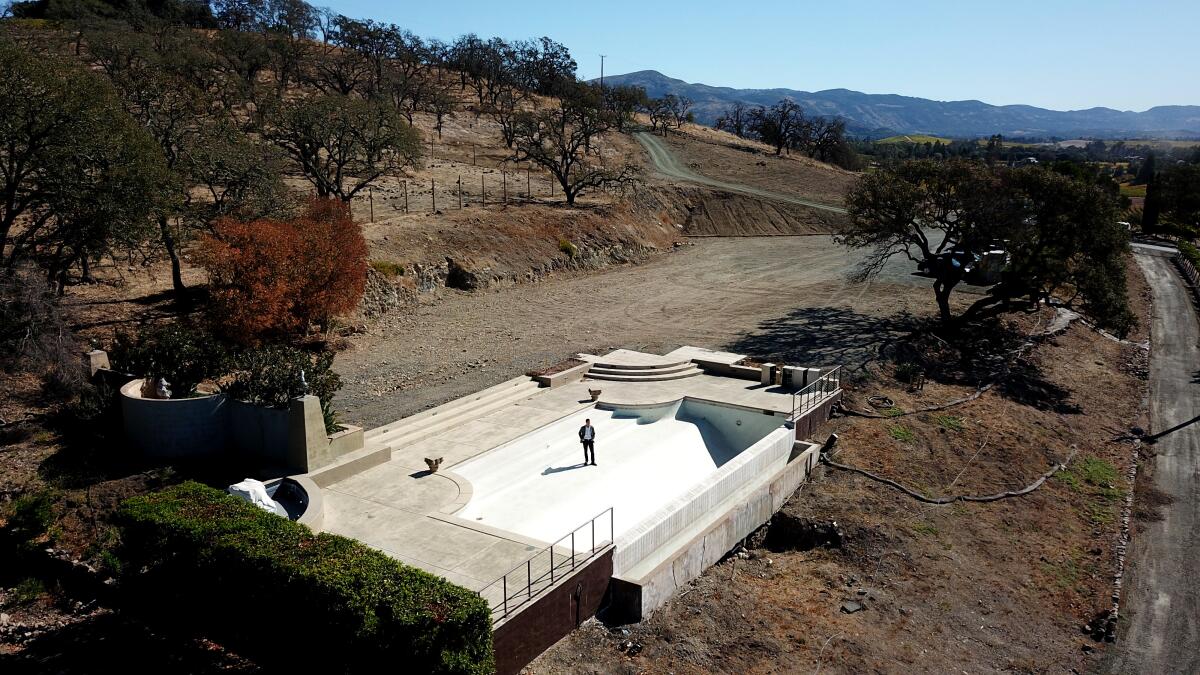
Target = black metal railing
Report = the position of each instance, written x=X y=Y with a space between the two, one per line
x=816 y=392
x=541 y=571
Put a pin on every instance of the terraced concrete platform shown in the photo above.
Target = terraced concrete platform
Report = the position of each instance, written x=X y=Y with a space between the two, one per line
x=398 y=507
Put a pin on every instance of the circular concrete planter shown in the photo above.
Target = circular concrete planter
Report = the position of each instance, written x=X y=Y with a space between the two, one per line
x=175 y=429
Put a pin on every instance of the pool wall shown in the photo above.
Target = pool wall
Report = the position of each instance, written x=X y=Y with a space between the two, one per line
x=763 y=458
x=740 y=427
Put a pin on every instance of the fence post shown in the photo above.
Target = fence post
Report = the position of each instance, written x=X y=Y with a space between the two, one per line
x=572 y=549
x=551 y=563
x=433 y=194
x=405 y=183
x=529 y=577
x=483 y=188
x=371 y=200
x=460 y=192
x=504 y=182
x=528 y=192
x=504 y=584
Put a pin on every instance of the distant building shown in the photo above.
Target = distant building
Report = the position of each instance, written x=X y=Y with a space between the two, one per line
x=1027 y=161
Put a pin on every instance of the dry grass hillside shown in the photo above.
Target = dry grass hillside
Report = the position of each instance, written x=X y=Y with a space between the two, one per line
x=724 y=156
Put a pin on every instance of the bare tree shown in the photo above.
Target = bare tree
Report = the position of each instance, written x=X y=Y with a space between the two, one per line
x=735 y=119
x=780 y=126
x=557 y=139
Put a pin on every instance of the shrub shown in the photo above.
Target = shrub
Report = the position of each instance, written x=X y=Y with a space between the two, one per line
x=567 y=247
x=907 y=372
x=30 y=515
x=1189 y=253
x=388 y=268
x=28 y=591
x=271 y=278
x=334 y=603
x=181 y=355
x=902 y=433
x=275 y=374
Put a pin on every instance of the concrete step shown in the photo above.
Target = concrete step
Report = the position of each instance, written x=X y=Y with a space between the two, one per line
x=458 y=413
x=516 y=384
x=677 y=375
x=642 y=372
x=644 y=366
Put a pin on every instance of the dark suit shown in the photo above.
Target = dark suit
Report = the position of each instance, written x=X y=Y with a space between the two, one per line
x=589 y=444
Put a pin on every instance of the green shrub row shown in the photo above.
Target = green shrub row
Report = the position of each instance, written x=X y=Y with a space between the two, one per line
x=273 y=591
x=1190 y=253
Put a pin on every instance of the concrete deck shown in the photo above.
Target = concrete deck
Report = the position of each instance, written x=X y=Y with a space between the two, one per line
x=401 y=509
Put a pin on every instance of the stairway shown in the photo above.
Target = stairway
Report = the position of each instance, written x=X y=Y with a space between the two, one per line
x=657 y=372
x=448 y=415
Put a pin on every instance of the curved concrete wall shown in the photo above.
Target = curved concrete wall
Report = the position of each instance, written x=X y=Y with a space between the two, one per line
x=186 y=428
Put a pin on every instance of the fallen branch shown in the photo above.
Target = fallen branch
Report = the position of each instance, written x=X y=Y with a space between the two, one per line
x=956 y=498
x=941 y=406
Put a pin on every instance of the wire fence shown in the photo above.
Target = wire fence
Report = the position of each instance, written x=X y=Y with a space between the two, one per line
x=526 y=581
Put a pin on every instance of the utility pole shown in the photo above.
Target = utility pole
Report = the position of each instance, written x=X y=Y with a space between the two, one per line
x=602 y=71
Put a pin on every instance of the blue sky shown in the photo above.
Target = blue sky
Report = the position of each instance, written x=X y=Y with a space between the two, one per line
x=1061 y=54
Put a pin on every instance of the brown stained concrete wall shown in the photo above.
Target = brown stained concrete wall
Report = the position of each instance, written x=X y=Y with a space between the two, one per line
x=814 y=420
x=538 y=625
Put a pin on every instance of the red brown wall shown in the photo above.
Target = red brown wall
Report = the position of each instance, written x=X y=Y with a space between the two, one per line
x=559 y=611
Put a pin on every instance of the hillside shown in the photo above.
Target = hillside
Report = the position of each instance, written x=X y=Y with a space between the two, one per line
x=882 y=115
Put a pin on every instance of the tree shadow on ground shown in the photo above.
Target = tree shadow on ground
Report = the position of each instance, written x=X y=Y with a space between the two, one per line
x=109 y=643
x=824 y=336
x=993 y=351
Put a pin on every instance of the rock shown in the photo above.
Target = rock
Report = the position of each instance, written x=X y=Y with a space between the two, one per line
x=4 y=619
x=852 y=607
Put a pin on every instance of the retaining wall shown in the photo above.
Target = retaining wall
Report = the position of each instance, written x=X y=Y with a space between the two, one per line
x=634 y=598
x=538 y=625
x=653 y=532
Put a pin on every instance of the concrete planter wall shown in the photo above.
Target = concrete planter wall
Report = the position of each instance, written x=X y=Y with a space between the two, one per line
x=291 y=440
x=175 y=429
x=572 y=374
x=260 y=432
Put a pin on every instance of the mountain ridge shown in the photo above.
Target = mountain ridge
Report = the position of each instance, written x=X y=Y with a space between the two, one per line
x=876 y=115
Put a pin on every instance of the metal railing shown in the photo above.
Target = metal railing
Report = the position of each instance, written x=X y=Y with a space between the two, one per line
x=815 y=393
x=541 y=571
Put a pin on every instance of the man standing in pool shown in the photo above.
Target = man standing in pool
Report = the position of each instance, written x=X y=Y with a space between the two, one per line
x=587 y=436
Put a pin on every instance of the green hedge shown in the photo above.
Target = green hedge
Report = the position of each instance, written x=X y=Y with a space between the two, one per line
x=197 y=558
x=1190 y=253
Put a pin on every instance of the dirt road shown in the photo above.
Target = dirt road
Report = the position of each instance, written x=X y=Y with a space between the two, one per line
x=666 y=163
x=1162 y=599
x=777 y=296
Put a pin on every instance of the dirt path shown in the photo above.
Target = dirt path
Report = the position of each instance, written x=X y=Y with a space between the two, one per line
x=666 y=163
x=749 y=294
x=1162 y=600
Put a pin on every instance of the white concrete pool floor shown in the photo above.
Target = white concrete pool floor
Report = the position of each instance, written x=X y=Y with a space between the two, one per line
x=539 y=487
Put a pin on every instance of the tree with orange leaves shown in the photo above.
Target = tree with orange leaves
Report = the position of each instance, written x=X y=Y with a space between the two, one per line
x=272 y=279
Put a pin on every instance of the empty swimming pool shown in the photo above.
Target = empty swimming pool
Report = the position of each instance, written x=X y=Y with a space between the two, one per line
x=538 y=486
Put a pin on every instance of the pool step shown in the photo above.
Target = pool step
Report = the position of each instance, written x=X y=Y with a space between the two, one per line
x=640 y=367
x=644 y=375
x=448 y=415
x=642 y=371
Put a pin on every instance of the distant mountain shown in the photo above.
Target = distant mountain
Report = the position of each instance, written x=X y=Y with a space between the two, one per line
x=880 y=115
